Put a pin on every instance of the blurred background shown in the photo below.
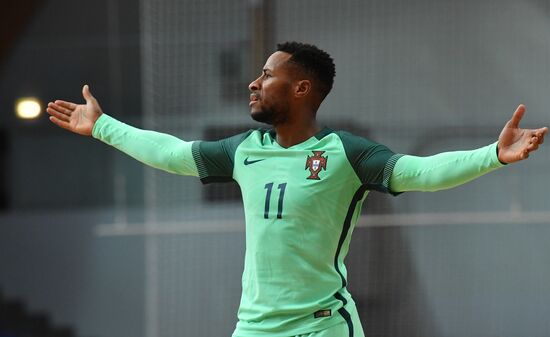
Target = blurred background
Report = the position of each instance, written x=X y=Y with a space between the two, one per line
x=94 y=244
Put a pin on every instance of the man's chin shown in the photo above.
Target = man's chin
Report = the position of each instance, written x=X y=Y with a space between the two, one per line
x=262 y=117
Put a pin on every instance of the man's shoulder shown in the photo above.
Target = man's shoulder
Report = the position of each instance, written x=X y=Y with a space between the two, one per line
x=353 y=141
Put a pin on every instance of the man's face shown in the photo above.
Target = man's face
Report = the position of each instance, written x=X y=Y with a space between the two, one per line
x=271 y=93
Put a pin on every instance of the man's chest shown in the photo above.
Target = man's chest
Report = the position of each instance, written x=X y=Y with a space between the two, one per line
x=278 y=183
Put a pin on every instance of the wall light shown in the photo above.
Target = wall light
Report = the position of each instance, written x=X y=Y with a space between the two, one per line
x=28 y=108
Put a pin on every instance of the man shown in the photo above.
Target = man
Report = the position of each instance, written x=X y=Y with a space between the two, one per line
x=302 y=187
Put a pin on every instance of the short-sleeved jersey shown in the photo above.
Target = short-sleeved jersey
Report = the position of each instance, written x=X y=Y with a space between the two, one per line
x=301 y=205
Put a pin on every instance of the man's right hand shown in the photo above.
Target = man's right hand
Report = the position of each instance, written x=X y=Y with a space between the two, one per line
x=78 y=118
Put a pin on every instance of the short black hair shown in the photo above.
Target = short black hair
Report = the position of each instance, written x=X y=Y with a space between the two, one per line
x=313 y=61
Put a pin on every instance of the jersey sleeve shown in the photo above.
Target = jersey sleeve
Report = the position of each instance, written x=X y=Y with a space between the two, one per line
x=159 y=150
x=444 y=170
x=372 y=162
x=215 y=159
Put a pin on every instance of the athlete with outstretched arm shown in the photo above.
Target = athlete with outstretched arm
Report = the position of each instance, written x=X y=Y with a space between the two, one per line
x=302 y=186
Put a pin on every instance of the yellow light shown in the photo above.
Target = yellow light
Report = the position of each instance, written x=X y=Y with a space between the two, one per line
x=28 y=108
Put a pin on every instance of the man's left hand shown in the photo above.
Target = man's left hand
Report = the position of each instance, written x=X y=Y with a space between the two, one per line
x=514 y=143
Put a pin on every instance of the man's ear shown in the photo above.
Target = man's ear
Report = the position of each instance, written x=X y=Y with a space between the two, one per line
x=302 y=88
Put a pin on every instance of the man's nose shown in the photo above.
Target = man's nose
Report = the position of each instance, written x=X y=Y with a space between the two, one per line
x=255 y=85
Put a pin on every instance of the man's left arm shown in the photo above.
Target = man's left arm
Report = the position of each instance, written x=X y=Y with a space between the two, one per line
x=450 y=169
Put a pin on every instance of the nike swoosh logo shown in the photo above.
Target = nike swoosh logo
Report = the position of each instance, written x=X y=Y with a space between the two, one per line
x=248 y=162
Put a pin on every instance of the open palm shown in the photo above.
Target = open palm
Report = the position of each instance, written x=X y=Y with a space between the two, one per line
x=78 y=118
x=514 y=143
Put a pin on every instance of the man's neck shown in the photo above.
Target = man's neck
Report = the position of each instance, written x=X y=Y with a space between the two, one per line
x=296 y=133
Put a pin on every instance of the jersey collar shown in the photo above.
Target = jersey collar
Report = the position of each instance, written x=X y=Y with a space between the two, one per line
x=318 y=136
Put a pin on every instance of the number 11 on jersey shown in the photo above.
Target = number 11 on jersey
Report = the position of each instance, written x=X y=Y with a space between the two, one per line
x=269 y=187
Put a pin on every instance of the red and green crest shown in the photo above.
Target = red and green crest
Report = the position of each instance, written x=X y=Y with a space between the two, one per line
x=315 y=164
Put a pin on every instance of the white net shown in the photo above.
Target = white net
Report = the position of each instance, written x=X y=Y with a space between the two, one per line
x=420 y=77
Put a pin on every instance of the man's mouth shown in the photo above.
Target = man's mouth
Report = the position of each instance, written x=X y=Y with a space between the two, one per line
x=253 y=99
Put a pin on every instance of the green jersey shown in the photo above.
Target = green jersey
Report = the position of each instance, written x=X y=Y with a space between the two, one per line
x=301 y=205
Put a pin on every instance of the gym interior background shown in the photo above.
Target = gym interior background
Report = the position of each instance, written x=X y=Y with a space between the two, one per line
x=92 y=243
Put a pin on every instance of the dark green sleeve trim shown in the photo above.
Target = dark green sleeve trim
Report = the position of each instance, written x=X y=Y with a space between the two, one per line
x=215 y=160
x=198 y=159
x=503 y=163
x=371 y=161
x=388 y=171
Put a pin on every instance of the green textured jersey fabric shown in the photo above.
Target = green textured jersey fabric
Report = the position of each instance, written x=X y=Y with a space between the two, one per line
x=301 y=205
x=444 y=170
x=155 y=149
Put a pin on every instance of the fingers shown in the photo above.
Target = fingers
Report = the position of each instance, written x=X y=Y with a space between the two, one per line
x=87 y=93
x=60 y=123
x=541 y=133
x=57 y=114
x=59 y=108
x=517 y=116
x=533 y=144
x=536 y=139
x=67 y=105
x=538 y=135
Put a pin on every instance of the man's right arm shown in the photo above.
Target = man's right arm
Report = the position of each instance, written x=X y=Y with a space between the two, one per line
x=155 y=149
x=159 y=150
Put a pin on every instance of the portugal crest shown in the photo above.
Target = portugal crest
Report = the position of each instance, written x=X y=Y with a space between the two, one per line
x=315 y=164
